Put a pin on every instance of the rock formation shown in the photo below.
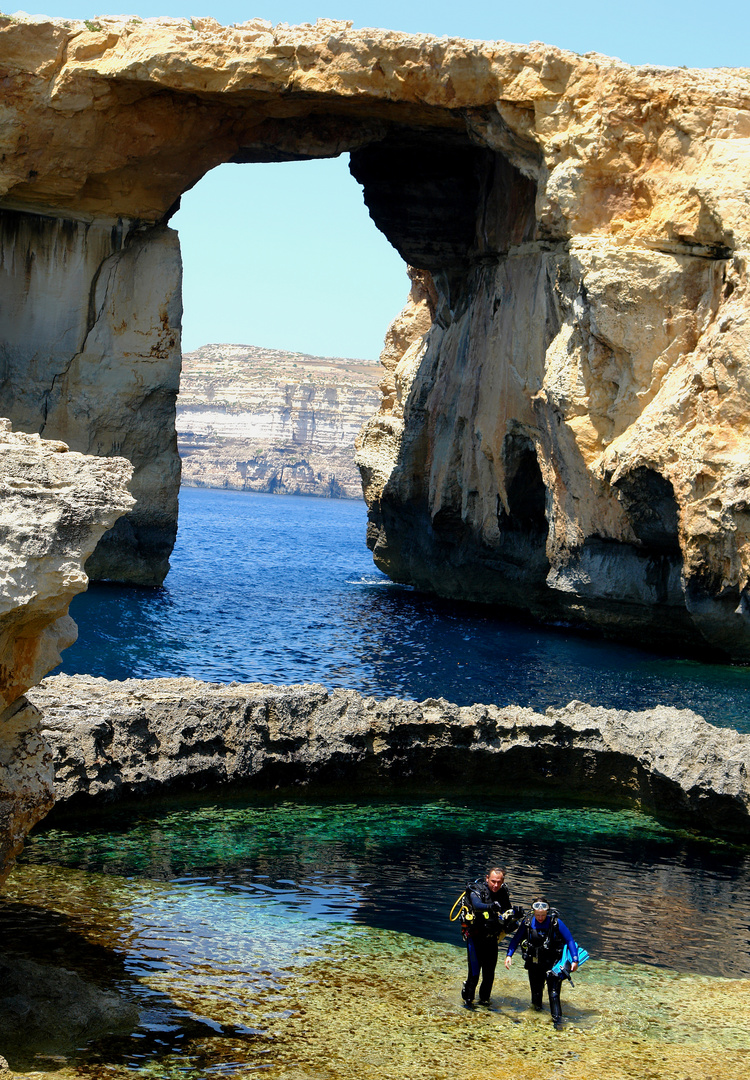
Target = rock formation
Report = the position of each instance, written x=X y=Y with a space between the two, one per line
x=115 y=740
x=55 y=506
x=90 y=355
x=265 y=420
x=569 y=436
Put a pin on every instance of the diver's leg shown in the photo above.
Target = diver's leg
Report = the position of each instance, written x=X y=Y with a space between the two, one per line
x=554 y=982
x=489 y=963
x=472 y=978
x=536 y=984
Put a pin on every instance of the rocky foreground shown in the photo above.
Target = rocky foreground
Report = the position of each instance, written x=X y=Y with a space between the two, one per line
x=54 y=507
x=266 y=420
x=113 y=741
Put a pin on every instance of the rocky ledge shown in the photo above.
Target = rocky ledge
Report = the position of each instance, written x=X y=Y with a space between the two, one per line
x=122 y=740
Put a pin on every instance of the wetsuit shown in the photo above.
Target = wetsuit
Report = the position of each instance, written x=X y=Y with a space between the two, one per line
x=481 y=936
x=543 y=948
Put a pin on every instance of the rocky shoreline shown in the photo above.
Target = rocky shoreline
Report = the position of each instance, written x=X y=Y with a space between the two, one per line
x=124 y=740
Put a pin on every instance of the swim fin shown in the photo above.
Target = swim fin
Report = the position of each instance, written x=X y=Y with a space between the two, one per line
x=560 y=968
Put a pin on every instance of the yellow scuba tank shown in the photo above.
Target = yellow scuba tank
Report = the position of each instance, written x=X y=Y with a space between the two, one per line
x=462 y=910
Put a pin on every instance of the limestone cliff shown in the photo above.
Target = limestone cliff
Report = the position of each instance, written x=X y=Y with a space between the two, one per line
x=55 y=506
x=89 y=353
x=570 y=434
x=265 y=420
x=115 y=740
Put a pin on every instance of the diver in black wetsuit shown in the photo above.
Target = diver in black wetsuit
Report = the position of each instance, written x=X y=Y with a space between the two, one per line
x=486 y=901
x=543 y=936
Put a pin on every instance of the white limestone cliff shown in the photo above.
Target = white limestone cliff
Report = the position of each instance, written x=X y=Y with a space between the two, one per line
x=259 y=419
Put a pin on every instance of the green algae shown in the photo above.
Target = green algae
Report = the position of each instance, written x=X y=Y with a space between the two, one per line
x=189 y=837
x=228 y=988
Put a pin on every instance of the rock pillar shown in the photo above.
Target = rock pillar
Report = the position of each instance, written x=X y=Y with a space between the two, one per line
x=55 y=506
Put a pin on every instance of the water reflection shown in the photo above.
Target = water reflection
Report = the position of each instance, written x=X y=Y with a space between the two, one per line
x=631 y=889
x=286 y=592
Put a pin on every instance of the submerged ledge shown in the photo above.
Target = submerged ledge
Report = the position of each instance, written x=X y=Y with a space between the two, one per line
x=150 y=737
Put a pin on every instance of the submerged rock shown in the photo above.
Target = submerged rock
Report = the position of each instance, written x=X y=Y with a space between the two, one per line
x=46 y=1010
x=115 y=740
x=55 y=506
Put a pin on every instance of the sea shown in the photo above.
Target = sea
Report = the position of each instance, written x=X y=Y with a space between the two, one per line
x=282 y=589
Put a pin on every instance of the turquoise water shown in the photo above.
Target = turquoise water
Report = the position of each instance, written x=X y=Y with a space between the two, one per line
x=279 y=589
x=632 y=889
x=232 y=924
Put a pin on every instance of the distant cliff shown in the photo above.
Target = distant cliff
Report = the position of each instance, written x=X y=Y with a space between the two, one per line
x=265 y=420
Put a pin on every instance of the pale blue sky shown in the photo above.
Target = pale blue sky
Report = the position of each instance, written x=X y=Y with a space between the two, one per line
x=286 y=256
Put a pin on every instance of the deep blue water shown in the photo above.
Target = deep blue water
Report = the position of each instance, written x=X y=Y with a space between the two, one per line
x=280 y=589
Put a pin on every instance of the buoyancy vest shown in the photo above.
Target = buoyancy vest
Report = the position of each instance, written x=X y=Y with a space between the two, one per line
x=475 y=921
x=487 y=922
x=542 y=944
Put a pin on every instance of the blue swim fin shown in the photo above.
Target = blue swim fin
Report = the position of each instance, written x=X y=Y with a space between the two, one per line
x=560 y=969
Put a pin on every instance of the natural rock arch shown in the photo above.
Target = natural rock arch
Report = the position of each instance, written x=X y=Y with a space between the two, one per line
x=578 y=229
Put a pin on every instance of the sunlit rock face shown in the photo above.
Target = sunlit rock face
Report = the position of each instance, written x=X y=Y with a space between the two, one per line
x=90 y=354
x=563 y=427
x=55 y=506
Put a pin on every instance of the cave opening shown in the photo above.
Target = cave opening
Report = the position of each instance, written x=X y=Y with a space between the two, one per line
x=526 y=492
x=650 y=503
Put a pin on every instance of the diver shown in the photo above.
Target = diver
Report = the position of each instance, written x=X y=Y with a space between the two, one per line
x=543 y=936
x=487 y=914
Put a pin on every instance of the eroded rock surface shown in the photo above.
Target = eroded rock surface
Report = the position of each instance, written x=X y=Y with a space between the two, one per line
x=564 y=427
x=89 y=353
x=265 y=420
x=115 y=740
x=55 y=506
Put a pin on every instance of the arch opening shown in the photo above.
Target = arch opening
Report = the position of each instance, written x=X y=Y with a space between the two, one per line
x=450 y=207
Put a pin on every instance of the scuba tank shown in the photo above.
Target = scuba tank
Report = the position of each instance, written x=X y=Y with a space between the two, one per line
x=463 y=910
x=504 y=922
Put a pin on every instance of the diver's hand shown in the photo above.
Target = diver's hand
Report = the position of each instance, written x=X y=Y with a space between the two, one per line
x=509 y=961
x=574 y=965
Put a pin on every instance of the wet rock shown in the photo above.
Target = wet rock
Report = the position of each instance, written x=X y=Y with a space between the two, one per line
x=122 y=740
x=45 y=1009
